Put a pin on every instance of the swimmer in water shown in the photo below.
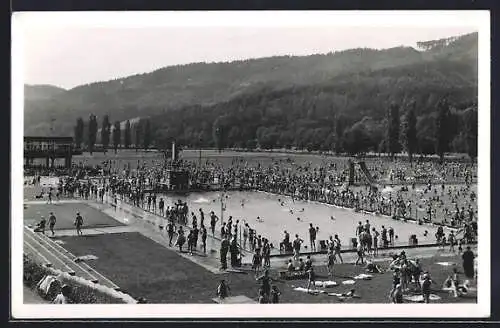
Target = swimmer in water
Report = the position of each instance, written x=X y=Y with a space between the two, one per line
x=259 y=219
x=298 y=219
x=291 y=211
x=332 y=218
x=302 y=210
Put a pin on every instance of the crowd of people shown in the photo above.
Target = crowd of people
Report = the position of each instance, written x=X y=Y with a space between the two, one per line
x=423 y=193
x=438 y=202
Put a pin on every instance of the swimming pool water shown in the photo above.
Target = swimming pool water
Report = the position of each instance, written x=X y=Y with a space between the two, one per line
x=279 y=213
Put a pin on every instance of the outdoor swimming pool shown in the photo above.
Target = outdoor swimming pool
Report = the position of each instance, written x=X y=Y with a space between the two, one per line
x=276 y=218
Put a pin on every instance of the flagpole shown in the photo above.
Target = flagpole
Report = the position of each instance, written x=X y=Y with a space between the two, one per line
x=222 y=208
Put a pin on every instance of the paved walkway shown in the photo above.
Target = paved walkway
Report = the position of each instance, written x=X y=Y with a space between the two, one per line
x=94 y=231
x=147 y=224
x=44 y=202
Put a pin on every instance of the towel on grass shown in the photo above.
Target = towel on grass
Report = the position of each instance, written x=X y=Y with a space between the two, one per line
x=446 y=263
x=364 y=276
x=420 y=298
x=461 y=289
x=343 y=297
x=325 y=284
x=84 y=258
x=312 y=291
x=348 y=282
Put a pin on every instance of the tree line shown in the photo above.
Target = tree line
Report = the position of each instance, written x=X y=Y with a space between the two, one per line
x=137 y=135
x=447 y=130
x=452 y=131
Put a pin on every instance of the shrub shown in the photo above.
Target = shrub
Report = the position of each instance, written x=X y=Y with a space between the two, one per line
x=33 y=273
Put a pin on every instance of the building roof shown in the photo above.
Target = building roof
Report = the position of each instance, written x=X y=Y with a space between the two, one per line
x=56 y=139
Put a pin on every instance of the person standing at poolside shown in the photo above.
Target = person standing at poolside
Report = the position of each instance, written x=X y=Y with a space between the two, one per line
x=312 y=237
x=170 y=231
x=451 y=240
x=337 y=248
x=375 y=235
x=266 y=283
x=213 y=221
x=256 y=261
x=391 y=236
x=181 y=239
x=224 y=249
x=367 y=226
x=330 y=261
x=384 y=237
x=202 y=217
x=312 y=279
x=426 y=288
x=161 y=206
x=359 y=228
x=245 y=235
x=360 y=252
x=204 y=239
x=468 y=263
x=79 y=224
x=52 y=222
x=49 y=196
x=296 y=247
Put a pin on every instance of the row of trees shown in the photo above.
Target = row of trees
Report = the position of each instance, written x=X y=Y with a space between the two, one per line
x=448 y=129
x=451 y=131
x=445 y=131
x=139 y=131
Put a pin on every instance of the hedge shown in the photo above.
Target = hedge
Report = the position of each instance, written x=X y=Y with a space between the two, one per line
x=82 y=292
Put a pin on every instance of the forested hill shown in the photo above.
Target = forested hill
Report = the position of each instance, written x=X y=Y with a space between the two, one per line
x=321 y=115
x=41 y=92
x=215 y=84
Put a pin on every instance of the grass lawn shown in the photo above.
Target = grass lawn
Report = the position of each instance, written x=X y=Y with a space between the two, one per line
x=66 y=213
x=144 y=268
x=224 y=158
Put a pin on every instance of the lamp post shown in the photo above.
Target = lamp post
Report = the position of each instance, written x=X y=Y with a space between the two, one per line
x=222 y=207
x=217 y=133
x=199 y=159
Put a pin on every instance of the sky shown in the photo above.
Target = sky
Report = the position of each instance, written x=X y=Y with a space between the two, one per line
x=68 y=55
